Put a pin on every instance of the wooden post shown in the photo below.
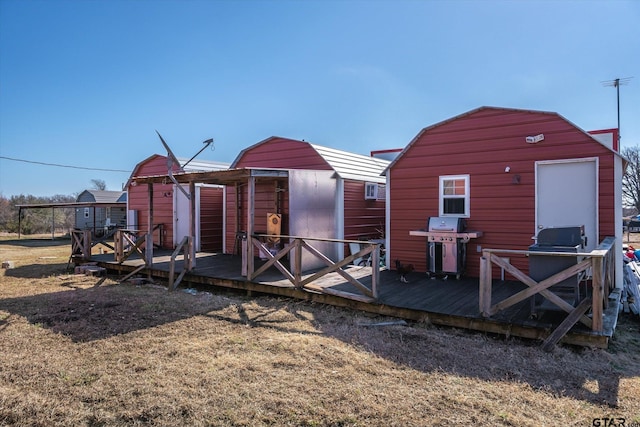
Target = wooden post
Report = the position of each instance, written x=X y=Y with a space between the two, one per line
x=243 y=253
x=86 y=244
x=597 y=294
x=192 y=227
x=118 y=246
x=251 y=194
x=485 y=284
x=297 y=263
x=148 y=246
x=149 y=242
x=172 y=270
x=375 y=271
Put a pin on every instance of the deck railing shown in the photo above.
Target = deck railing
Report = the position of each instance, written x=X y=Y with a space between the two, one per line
x=600 y=263
x=127 y=242
x=80 y=246
x=294 y=249
x=185 y=248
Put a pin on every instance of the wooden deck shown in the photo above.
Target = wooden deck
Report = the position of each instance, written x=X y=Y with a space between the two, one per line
x=442 y=302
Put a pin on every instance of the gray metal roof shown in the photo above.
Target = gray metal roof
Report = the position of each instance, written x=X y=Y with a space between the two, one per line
x=102 y=196
x=353 y=166
x=196 y=165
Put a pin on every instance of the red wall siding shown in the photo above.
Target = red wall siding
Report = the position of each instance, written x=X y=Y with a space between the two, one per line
x=267 y=200
x=211 y=217
x=279 y=153
x=482 y=144
x=211 y=207
x=362 y=218
x=234 y=224
x=162 y=206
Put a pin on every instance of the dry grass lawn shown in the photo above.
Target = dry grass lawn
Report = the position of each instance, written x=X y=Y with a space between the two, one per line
x=88 y=351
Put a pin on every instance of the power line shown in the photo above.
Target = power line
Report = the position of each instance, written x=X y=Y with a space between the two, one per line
x=64 y=166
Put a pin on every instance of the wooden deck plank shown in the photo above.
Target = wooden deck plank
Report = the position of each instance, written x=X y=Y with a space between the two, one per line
x=447 y=302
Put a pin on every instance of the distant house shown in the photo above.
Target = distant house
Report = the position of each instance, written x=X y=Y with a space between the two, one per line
x=104 y=209
x=509 y=173
x=328 y=193
x=171 y=207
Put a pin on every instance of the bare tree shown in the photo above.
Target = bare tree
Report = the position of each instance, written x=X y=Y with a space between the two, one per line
x=631 y=178
x=99 y=184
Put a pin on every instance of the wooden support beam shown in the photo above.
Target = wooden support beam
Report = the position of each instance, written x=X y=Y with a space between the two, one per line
x=297 y=263
x=125 y=278
x=485 y=284
x=375 y=271
x=341 y=294
x=183 y=246
x=566 y=324
x=251 y=195
x=334 y=268
x=597 y=293
x=501 y=262
x=272 y=260
x=192 y=227
x=149 y=242
x=86 y=242
x=542 y=285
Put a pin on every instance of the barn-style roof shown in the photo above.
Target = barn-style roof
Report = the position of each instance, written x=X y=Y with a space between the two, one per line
x=102 y=196
x=499 y=109
x=185 y=166
x=347 y=165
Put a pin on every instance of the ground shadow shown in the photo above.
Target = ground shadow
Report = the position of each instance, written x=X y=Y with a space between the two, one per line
x=97 y=309
x=94 y=310
x=427 y=348
x=36 y=271
x=37 y=243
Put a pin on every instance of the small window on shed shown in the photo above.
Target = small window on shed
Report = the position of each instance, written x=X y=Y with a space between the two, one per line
x=374 y=191
x=86 y=212
x=370 y=191
x=454 y=195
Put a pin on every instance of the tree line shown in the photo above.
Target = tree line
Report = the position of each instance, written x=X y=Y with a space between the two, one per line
x=631 y=179
x=40 y=220
x=35 y=220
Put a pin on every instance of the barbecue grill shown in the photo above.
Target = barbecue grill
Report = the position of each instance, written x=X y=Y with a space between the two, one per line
x=447 y=239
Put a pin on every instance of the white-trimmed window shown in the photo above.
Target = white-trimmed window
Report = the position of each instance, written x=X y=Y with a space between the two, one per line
x=454 y=195
x=370 y=191
x=86 y=212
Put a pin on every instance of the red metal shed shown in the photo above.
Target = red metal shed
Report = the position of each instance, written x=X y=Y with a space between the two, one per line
x=519 y=171
x=171 y=207
x=355 y=196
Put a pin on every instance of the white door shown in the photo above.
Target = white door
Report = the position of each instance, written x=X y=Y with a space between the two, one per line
x=182 y=210
x=567 y=195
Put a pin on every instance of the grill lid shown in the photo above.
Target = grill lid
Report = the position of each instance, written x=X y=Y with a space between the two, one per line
x=446 y=224
x=561 y=236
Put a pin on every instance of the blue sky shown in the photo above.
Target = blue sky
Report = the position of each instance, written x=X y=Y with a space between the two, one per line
x=87 y=83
